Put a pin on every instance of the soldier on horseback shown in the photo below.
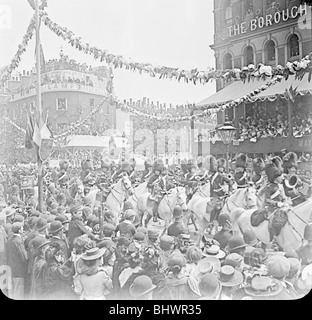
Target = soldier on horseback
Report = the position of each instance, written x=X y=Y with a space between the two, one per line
x=158 y=186
x=202 y=173
x=147 y=172
x=274 y=193
x=292 y=182
x=241 y=176
x=125 y=168
x=87 y=175
x=63 y=177
x=259 y=178
x=191 y=178
x=133 y=174
x=104 y=180
x=218 y=181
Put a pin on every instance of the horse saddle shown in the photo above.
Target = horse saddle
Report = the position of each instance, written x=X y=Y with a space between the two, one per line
x=279 y=219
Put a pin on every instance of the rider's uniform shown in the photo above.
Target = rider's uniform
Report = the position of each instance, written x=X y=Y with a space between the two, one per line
x=241 y=176
x=258 y=178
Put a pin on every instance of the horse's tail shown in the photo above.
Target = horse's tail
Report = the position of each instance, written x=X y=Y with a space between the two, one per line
x=235 y=214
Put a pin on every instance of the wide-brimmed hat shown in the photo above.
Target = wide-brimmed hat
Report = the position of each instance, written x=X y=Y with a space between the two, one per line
x=263 y=286
x=93 y=254
x=278 y=266
x=230 y=277
x=209 y=286
x=76 y=208
x=207 y=265
x=140 y=286
x=55 y=227
x=214 y=251
x=233 y=259
x=62 y=218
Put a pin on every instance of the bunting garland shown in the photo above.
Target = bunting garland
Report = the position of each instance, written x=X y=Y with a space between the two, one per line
x=207 y=112
x=249 y=72
x=21 y=49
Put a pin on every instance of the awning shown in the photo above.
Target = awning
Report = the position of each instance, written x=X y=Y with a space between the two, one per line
x=238 y=89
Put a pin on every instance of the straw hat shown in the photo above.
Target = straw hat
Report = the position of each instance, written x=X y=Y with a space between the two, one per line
x=230 y=277
x=262 y=286
x=214 y=251
x=93 y=254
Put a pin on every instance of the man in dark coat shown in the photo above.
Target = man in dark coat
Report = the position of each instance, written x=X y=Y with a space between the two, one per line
x=147 y=172
x=76 y=227
x=17 y=261
x=177 y=227
x=225 y=233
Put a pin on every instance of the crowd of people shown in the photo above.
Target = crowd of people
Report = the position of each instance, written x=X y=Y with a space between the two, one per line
x=67 y=248
x=264 y=124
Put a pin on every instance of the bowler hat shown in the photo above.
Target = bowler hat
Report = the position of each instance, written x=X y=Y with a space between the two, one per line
x=32 y=221
x=250 y=238
x=93 y=254
x=209 y=285
x=51 y=218
x=166 y=240
x=38 y=242
x=16 y=226
x=223 y=219
x=177 y=212
x=109 y=227
x=41 y=224
x=55 y=227
x=235 y=242
x=106 y=243
x=140 y=286
x=54 y=212
x=62 y=218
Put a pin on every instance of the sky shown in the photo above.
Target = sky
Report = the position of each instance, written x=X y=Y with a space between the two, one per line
x=173 y=33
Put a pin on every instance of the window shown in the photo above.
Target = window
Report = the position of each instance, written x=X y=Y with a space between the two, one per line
x=228 y=14
x=270 y=51
x=91 y=102
x=247 y=7
x=227 y=61
x=61 y=104
x=178 y=145
x=293 y=45
x=249 y=55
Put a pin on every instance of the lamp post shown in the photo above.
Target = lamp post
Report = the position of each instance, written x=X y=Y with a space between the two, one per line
x=226 y=132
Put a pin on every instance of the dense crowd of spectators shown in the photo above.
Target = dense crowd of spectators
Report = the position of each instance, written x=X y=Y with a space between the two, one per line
x=261 y=123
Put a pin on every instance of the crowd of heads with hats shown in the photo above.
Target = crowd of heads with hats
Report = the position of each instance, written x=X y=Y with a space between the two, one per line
x=142 y=263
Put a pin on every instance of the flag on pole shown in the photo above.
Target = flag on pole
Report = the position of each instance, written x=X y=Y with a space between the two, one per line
x=42 y=60
x=29 y=131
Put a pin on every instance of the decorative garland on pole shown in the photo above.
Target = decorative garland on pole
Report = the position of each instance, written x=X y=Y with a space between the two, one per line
x=21 y=49
x=247 y=73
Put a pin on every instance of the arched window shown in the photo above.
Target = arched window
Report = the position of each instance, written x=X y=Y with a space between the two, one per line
x=249 y=55
x=293 y=44
x=270 y=51
x=227 y=61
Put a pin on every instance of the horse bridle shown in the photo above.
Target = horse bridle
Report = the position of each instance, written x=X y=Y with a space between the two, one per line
x=167 y=201
x=124 y=189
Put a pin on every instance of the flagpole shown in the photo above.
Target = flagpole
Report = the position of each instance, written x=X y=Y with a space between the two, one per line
x=40 y=178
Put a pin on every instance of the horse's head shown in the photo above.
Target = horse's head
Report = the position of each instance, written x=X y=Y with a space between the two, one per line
x=181 y=197
x=127 y=185
x=250 y=198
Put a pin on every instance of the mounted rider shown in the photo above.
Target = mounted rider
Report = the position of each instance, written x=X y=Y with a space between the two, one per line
x=218 y=181
x=63 y=177
x=274 y=193
x=133 y=174
x=125 y=168
x=104 y=180
x=191 y=178
x=158 y=186
x=241 y=176
x=292 y=182
x=87 y=175
x=259 y=177
x=202 y=172
x=147 y=172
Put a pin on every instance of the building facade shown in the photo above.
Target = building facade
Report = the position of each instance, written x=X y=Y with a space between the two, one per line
x=271 y=33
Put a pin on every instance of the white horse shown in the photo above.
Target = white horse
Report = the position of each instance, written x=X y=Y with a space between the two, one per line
x=139 y=190
x=291 y=235
x=245 y=198
x=120 y=191
x=175 y=197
